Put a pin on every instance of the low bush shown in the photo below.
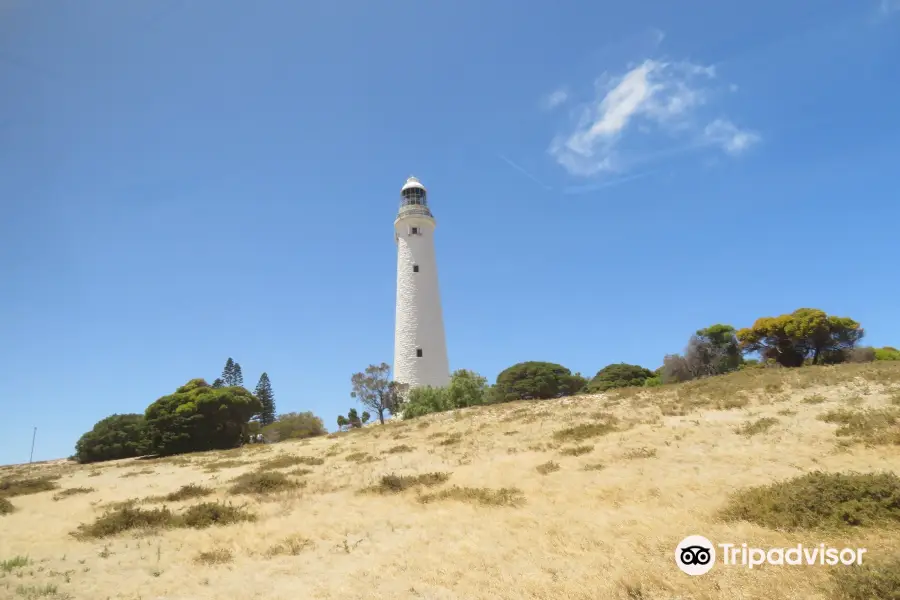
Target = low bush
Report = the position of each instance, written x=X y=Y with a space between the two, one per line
x=262 y=483
x=30 y=485
x=128 y=518
x=547 y=468
x=188 y=492
x=878 y=580
x=480 y=496
x=72 y=492
x=820 y=500
x=392 y=484
x=751 y=428
x=207 y=514
x=605 y=424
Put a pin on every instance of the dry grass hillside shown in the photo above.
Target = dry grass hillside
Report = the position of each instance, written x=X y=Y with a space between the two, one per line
x=577 y=498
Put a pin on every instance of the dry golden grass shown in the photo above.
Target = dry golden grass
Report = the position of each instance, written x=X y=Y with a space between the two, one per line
x=462 y=512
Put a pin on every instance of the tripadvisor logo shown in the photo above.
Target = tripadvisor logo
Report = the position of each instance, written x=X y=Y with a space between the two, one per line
x=696 y=555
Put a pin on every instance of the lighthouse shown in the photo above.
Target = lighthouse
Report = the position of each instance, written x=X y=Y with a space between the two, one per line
x=420 y=348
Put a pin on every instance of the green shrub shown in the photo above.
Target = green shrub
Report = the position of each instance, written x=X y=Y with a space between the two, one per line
x=208 y=514
x=871 y=426
x=188 y=492
x=534 y=381
x=200 y=417
x=887 y=353
x=585 y=431
x=619 y=376
x=294 y=426
x=113 y=438
x=576 y=450
x=392 y=484
x=281 y=462
x=481 y=496
x=126 y=518
x=29 y=485
x=72 y=492
x=466 y=388
x=6 y=507
x=547 y=468
x=762 y=425
x=820 y=500
x=262 y=483
x=878 y=580
x=16 y=562
x=402 y=448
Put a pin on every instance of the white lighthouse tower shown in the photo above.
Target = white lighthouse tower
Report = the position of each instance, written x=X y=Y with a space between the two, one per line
x=420 y=348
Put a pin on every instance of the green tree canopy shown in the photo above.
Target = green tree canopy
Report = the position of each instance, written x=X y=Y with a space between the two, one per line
x=887 y=353
x=806 y=333
x=535 y=380
x=200 y=417
x=618 y=376
x=374 y=389
x=294 y=426
x=116 y=436
x=722 y=339
x=466 y=388
x=266 y=397
x=228 y=372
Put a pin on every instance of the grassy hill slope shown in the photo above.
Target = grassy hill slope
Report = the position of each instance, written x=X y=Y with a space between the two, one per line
x=576 y=498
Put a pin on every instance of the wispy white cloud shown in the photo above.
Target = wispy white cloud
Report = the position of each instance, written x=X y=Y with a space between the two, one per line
x=726 y=134
x=554 y=99
x=654 y=98
x=523 y=171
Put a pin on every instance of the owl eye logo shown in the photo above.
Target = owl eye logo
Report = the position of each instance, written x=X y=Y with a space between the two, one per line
x=695 y=555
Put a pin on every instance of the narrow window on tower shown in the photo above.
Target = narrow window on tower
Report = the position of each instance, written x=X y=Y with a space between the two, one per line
x=414 y=231
x=419 y=352
x=415 y=268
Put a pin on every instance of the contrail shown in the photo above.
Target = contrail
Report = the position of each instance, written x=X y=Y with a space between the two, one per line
x=524 y=172
x=592 y=187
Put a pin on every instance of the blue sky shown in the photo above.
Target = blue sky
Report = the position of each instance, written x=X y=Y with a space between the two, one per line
x=186 y=181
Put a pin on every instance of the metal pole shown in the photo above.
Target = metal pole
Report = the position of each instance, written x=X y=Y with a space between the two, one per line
x=34 y=435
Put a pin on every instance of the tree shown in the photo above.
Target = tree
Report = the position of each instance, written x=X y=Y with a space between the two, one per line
x=618 y=376
x=364 y=418
x=887 y=353
x=200 y=417
x=724 y=349
x=228 y=372
x=790 y=339
x=266 y=397
x=353 y=419
x=534 y=380
x=342 y=422
x=467 y=388
x=238 y=377
x=117 y=436
x=218 y=383
x=374 y=389
x=293 y=426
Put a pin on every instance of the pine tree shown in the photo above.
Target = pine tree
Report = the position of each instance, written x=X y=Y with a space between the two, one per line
x=267 y=398
x=237 y=377
x=218 y=383
x=228 y=372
